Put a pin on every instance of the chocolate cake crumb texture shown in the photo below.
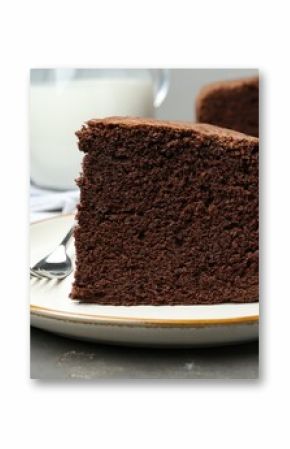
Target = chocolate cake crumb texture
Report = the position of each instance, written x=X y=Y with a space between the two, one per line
x=168 y=214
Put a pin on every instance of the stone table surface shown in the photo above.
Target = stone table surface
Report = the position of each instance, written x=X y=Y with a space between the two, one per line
x=54 y=357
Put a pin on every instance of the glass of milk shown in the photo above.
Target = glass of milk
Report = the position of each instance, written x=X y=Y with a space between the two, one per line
x=62 y=100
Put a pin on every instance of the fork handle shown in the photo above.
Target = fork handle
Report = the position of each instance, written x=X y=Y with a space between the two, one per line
x=67 y=237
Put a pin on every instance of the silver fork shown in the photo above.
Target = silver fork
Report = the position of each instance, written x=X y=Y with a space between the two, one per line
x=57 y=264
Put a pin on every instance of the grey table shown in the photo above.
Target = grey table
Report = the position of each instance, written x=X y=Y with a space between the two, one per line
x=54 y=357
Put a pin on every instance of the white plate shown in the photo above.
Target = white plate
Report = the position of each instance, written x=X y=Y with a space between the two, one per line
x=52 y=310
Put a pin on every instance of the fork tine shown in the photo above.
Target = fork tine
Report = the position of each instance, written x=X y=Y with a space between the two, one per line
x=34 y=274
x=38 y=274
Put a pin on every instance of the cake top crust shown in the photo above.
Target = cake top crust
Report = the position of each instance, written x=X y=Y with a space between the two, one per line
x=201 y=129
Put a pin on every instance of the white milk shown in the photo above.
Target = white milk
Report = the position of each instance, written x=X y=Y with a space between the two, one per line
x=57 y=111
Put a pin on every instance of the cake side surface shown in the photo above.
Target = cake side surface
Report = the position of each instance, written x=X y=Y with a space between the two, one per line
x=231 y=104
x=168 y=214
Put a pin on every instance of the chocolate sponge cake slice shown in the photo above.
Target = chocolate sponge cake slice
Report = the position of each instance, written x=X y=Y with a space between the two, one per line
x=168 y=214
x=231 y=104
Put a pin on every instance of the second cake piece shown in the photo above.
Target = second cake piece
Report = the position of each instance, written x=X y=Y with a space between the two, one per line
x=231 y=104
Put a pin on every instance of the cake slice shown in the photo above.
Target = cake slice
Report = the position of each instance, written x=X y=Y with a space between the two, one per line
x=231 y=104
x=168 y=214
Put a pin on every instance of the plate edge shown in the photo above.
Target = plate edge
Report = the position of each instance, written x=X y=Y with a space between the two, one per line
x=144 y=322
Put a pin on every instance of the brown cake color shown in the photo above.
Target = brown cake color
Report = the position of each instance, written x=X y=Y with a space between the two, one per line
x=231 y=104
x=168 y=214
